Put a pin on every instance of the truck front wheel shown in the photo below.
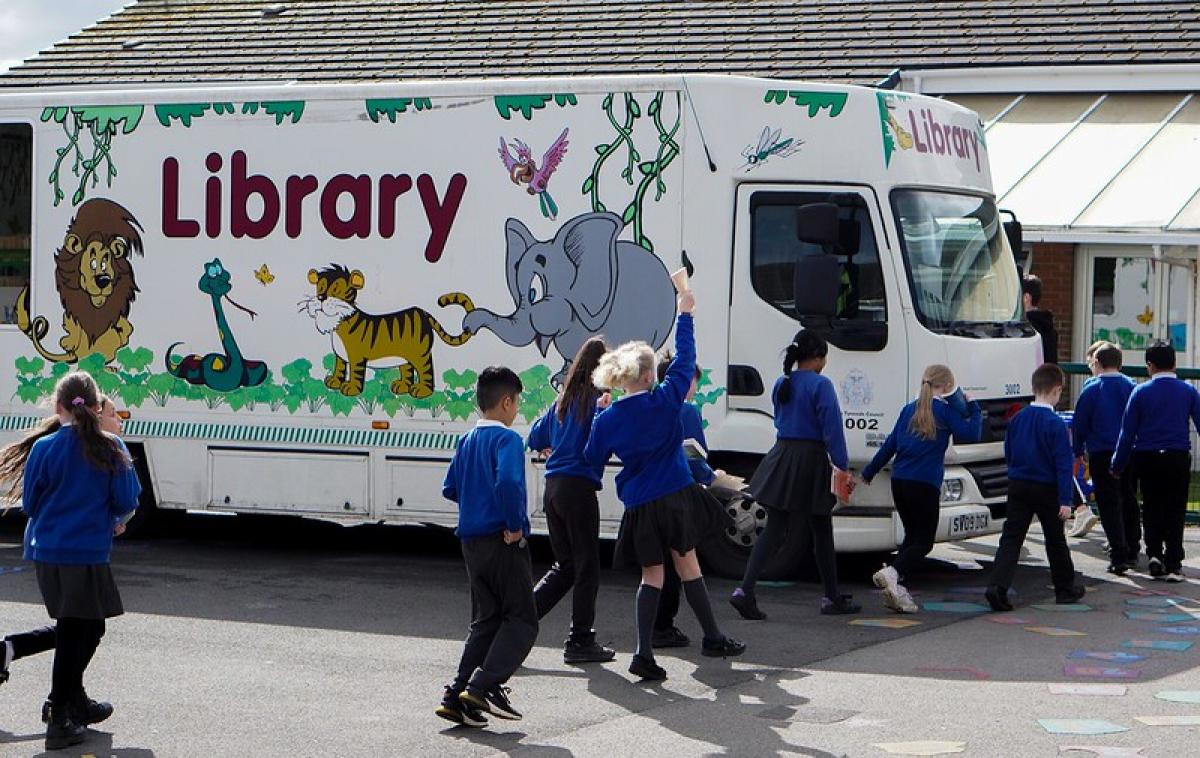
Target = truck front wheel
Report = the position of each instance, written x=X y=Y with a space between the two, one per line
x=725 y=555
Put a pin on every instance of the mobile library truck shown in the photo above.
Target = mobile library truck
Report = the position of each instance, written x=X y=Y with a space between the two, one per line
x=290 y=289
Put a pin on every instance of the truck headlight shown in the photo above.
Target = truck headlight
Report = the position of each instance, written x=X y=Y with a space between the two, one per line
x=952 y=490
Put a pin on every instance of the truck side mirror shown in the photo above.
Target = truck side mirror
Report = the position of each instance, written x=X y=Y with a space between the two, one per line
x=817 y=282
x=1012 y=230
x=817 y=224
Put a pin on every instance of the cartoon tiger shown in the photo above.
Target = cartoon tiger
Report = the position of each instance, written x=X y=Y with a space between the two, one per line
x=402 y=339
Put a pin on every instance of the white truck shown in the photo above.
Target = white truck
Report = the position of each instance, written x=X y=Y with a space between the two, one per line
x=288 y=290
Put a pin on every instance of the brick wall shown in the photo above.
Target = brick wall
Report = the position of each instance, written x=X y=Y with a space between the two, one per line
x=1054 y=264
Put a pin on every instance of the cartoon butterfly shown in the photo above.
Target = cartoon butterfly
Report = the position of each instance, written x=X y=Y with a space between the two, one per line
x=264 y=275
x=1146 y=316
x=522 y=169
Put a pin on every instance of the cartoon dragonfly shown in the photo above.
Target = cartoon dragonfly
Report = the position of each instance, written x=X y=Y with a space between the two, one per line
x=769 y=144
x=522 y=169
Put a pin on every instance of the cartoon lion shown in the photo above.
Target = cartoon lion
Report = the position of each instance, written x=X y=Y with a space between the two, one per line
x=94 y=277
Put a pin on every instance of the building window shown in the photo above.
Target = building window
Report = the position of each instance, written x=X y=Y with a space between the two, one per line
x=16 y=203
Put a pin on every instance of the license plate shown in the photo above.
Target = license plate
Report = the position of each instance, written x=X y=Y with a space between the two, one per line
x=969 y=523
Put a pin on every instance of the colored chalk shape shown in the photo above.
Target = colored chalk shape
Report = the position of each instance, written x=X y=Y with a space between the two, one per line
x=1116 y=656
x=1054 y=631
x=1002 y=618
x=922 y=747
x=1091 y=690
x=1103 y=751
x=1189 y=630
x=1191 y=697
x=1160 y=601
x=1175 y=646
x=1081 y=726
x=892 y=623
x=1100 y=672
x=1062 y=608
x=955 y=607
x=1168 y=720
x=1162 y=618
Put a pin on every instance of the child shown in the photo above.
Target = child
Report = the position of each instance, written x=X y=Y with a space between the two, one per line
x=793 y=479
x=666 y=513
x=571 y=507
x=76 y=485
x=1094 y=431
x=918 y=442
x=487 y=480
x=1039 y=484
x=1084 y=518
x=1155 y=429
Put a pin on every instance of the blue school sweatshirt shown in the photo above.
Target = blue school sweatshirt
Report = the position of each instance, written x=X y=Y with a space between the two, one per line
x=1096 y=423
x=693 y=428
x=72 y=506
x=644 y=430
x=919 y=459
x=487 y=479
x=1038 y=449
x=566 y=440
x=811 y=413
x=1156 y=418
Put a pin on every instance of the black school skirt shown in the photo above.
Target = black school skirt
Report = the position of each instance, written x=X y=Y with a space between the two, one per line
x=795 y=476
x=79 y=592
x=679 y=521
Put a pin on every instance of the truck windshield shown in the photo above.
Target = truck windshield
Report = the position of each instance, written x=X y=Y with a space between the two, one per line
x=964 y=279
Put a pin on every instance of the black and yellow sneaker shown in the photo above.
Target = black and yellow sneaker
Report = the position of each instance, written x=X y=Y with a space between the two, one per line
x=454 y=709
x=495 y=702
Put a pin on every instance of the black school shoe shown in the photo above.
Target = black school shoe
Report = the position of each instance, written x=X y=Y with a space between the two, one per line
x=726 y=647
x=1069 y=595
x=746 y=604
x=1118 y=569
x=495 y=702
x=997 y=597
x=646 y=669
x=61 y=731
x=841 y=606
x=1157 y=569
x=672 y=637
x=587 y=652
x=454 y=709
x=4 y=661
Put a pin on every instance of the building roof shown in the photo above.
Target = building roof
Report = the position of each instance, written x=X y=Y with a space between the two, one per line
x=848 y=41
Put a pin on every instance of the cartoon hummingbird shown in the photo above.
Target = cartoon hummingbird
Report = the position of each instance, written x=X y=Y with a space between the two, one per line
x=522 y=169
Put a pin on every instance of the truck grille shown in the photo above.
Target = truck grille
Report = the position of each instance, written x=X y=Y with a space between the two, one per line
x=996 y=415
x=991 y=477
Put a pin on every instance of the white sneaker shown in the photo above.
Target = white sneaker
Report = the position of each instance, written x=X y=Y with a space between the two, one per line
x=904 y=601
x=895 y=597
x=886 y=579
x=1174 y=576
x=1084 y=521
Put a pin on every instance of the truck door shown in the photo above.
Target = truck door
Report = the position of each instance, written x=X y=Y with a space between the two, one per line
x=868 y=356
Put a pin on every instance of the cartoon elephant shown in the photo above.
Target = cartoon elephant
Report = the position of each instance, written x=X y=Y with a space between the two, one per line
x=581 y=284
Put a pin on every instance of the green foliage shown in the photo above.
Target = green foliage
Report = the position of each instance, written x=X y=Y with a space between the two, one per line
x=393 y=106
x=527 y=104
x=814 y=101
x=538 y=394
x=182 y=112
x=100 y=124
x=280 y=109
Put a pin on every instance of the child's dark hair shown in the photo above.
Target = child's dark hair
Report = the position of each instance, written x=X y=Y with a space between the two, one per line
x=664 y=365
x=1047 y=377
x=1109 y=356
x=579 y=394
x=805 y=346
x=1161 y=355
x=1032 y=285
x=496 y=383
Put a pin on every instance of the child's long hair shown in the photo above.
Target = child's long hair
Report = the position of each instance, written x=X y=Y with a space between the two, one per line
x=923 y=423
x=805 y=346
x=579 y=394
x=664 y=365
x=617 y=368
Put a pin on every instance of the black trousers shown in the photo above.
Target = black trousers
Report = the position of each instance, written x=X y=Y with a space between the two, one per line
x=32 y=642
x=1117 y=501
x=573 y=518
x=1165 y=476
x=504 y=622
x=918 y=504
x=1025 y=501
x=75 y=644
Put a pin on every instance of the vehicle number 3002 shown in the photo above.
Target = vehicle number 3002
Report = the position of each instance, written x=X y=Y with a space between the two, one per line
x=862 y=424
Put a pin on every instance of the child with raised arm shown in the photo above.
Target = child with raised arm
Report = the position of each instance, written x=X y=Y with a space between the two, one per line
x=793 y=480
x=1041 y=485
x=487 y=479
x=1155 y=433
x=666 y=513
x=571 y=506
x=918 y=442
x=77 y=483
x=1094 y=430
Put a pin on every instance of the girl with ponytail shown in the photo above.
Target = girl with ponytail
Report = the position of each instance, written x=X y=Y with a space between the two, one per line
x=918 y=443
x=793 y=480
x=76 y=483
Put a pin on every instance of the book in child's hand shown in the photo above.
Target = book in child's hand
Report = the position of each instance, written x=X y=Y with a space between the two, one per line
x=729 y=481
x=694 y=449
x=841 y=485
x=121 y=521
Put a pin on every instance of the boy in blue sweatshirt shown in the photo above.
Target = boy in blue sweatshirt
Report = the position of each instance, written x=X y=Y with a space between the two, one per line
x=1040 y=483
x=1095 y=427
x=487 y=480
x=1155 y=431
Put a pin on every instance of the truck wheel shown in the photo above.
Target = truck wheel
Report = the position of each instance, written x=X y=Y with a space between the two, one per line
x=725 y=555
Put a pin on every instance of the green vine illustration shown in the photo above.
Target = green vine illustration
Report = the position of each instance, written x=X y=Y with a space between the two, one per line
x=394 y=106
x=184 y=113
x=100 y=123
x=814 y=101
x=885 y=121
x=651 y=172
x=527 y=104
